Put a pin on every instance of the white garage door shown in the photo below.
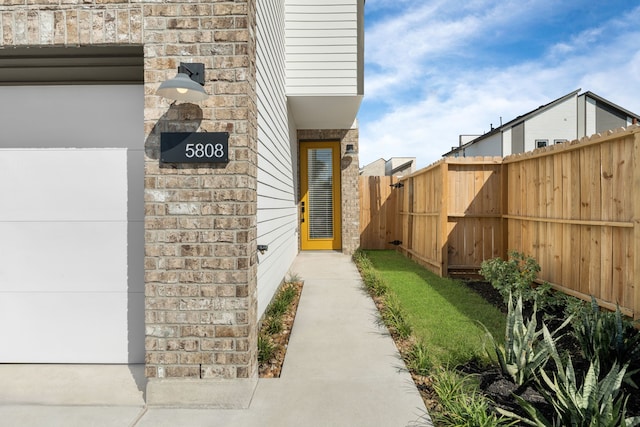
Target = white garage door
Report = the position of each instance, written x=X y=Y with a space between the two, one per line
x=71 y=224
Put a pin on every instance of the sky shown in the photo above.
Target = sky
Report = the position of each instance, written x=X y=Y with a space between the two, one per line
x=437 y=69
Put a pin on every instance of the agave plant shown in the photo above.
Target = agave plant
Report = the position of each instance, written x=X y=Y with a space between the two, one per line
x=595 y=402
x=609 y=338
x=524 y=350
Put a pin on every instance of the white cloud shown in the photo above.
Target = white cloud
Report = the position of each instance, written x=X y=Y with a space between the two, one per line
x=449 y=98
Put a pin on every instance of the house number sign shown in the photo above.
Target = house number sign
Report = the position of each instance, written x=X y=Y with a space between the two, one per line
x=192 y=147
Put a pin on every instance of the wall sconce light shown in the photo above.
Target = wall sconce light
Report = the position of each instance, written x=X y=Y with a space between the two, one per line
x=187 y=85
x=350 y=151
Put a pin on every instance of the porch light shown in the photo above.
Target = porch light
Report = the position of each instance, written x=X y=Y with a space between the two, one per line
x=350 y=151
x=187 y=85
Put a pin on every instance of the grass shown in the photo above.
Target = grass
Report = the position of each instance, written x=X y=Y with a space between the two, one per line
x=442 y=314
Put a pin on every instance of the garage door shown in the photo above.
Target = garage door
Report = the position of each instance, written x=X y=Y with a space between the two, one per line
x=71 y=224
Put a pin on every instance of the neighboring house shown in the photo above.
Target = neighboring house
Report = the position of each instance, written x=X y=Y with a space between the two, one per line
x=395 y=166
x=111 y=255
x=567 y=118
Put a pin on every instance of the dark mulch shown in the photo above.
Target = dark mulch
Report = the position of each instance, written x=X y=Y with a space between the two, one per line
x=501 y=389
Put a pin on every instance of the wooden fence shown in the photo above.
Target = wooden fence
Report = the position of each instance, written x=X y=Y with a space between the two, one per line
x=574 y=207
x=378 y=212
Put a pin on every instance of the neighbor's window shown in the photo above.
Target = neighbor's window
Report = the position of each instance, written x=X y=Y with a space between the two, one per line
x=559 y=141
x=541 y=143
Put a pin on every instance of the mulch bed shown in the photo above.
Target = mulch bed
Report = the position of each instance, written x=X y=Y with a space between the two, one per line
x=500 y=389
x=273 y=367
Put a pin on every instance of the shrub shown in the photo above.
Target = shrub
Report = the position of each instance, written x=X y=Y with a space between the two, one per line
x=595 y=402
x=394 y=317
x=609 y=338
x=515 y=277
x=266 y=349
x=524 y=351
x=462 y=403
x=274 y=325
x=419 y=359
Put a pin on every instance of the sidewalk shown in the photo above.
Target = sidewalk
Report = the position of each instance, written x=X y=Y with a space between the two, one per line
x=341 y=369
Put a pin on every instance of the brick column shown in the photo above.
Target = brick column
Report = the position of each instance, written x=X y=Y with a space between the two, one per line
x=200 y=226
x=350 y=195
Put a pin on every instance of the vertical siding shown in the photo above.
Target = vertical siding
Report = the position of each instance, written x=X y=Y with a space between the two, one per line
x=277 y=153
x=323 y=47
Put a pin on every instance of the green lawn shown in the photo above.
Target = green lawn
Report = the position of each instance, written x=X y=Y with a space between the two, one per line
x=443 y=313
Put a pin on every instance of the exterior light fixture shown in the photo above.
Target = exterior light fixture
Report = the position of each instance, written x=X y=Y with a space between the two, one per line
x=187 y=85
x=350 y=151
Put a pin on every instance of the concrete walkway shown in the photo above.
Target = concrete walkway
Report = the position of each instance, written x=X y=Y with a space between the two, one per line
x=341 y=369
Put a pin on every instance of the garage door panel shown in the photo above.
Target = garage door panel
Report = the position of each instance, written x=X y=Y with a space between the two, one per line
x=72 y=224
x=63 y=185
x=78 y=328
x=63 y=256
x=72 y=116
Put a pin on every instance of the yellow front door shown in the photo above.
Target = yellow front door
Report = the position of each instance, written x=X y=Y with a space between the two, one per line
x=320 y=189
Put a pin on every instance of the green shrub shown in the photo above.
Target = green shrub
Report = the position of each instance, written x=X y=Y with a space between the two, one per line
x=266 y=348
x=524 y=350
x=609 y=338
x=419 y=359
x=515 y=277
x=288 y=294
x=274 y=325
x=595 y=402
x=394 y=317
x=462 y=403
x=374 y=283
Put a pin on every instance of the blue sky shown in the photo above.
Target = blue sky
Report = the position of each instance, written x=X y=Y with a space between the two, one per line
x=436 y=69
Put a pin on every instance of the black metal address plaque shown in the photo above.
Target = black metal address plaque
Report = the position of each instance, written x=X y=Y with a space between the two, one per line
x=192 y=147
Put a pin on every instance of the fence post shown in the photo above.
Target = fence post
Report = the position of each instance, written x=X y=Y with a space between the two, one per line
x=504 y=210
x=636 y=226
x=444 y=220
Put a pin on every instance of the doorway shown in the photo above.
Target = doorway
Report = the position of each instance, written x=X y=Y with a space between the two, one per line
x=320 y=213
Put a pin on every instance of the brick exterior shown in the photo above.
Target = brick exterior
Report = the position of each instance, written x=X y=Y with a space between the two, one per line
x=349 y=181
x=201 y=220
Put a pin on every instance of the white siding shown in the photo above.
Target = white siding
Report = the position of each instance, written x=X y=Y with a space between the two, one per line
x=277 y=153
x=559 y=122
x=506 y=143
x=322 y=47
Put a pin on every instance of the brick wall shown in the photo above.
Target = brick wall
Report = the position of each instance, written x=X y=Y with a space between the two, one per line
x=349 y=181
x=200 y=220
x=200 y=226
x=70 y=22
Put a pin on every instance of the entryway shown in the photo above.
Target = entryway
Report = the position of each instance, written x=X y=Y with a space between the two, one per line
x=320 y=205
